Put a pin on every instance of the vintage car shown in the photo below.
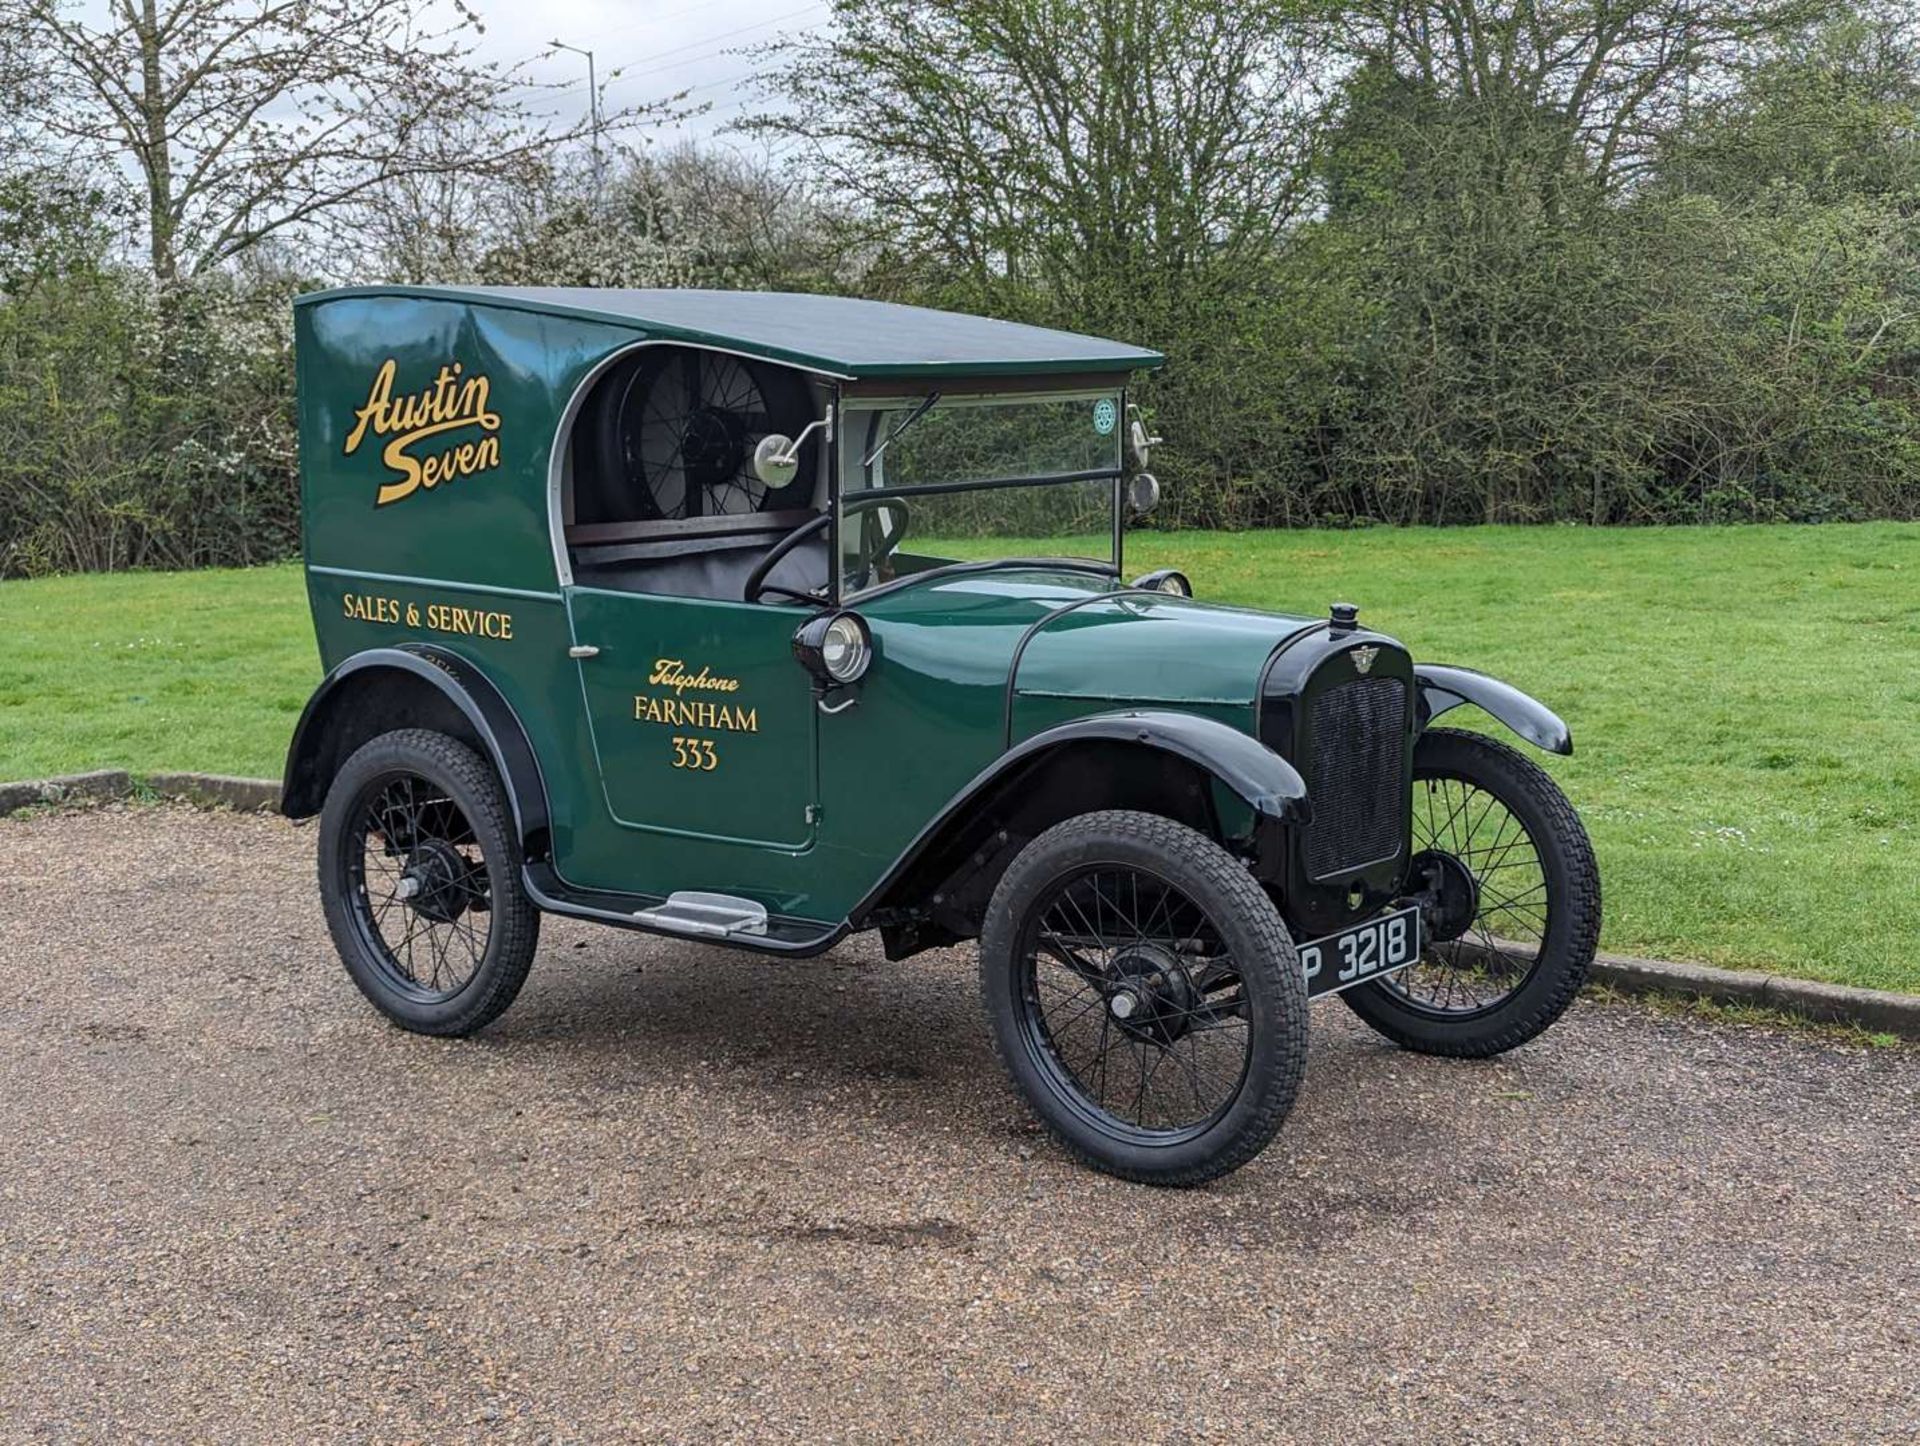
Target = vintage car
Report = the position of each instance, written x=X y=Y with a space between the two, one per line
x=768 y=619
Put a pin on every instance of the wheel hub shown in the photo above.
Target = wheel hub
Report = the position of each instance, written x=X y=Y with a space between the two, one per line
x=1152 y=997
x=1450 y=895
x=713 y=445
x=434 y=881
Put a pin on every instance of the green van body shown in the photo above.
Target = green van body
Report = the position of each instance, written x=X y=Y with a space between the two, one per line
x=432 y=423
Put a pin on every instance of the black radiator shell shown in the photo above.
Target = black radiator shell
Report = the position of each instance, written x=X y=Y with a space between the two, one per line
x=1350 y=732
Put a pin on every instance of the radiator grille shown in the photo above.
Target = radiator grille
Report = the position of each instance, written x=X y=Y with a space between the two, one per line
x=1358 y=787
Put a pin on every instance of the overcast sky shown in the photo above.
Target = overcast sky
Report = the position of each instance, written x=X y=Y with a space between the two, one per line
x=657 y=46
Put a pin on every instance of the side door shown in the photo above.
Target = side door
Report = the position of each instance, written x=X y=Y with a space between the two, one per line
x=702 y=722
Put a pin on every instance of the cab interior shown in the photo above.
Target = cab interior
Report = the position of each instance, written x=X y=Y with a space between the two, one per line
x=658 y=493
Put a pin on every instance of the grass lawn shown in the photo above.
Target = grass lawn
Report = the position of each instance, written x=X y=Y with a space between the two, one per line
x=150 y=671
x=1742 y=700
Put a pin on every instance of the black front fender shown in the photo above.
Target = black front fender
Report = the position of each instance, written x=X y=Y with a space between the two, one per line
x=1267 y=783
x=1445 y=688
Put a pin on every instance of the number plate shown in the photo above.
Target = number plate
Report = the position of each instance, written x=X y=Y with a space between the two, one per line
x=1367 y=951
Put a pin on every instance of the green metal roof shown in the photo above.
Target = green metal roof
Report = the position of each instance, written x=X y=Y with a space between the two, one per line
x=833 y=334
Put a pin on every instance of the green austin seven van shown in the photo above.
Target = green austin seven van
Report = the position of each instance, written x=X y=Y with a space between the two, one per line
x=768 y=619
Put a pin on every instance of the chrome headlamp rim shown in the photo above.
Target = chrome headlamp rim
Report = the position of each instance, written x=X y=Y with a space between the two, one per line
x=836 y=647
x=845 y=648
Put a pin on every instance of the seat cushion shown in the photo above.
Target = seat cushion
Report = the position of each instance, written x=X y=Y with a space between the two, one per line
x=713 y=568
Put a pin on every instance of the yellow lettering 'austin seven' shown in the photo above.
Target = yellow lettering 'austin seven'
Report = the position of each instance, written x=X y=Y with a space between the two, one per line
x=451 y=403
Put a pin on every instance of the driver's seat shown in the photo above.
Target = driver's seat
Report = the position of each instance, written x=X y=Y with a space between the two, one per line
x=684 y=559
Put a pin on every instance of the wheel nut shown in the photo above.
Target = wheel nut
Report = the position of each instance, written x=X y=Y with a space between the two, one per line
x=1123 y=1004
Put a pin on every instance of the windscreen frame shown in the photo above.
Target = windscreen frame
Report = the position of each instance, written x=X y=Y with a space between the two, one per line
x=854 y=401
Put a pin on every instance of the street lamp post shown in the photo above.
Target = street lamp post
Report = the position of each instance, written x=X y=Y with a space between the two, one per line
x=593 y=102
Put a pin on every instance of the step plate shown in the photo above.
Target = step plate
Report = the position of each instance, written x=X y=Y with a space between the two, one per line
x=714 y=916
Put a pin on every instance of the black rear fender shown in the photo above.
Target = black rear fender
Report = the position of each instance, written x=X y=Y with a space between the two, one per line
x=418 y=686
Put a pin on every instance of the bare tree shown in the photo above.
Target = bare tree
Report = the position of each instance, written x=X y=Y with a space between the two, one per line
x=435 y=223
x=244 y=120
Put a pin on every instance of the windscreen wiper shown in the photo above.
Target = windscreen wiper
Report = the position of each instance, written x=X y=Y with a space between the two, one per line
x=907 y=421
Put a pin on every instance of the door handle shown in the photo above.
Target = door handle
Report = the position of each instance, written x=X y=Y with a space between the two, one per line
x=583 y=650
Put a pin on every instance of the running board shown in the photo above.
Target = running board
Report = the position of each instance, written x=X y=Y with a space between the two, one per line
x=713 y=918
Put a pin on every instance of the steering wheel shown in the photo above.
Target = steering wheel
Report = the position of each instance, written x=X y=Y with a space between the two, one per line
x=888 y=540
x=757 y=584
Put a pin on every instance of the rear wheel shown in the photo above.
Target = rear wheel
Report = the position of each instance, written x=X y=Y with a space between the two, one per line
x=420 y=882
x=1511 y=934
x=1144 y=997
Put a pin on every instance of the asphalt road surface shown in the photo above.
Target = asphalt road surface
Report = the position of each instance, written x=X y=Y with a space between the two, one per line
x=680 y=1194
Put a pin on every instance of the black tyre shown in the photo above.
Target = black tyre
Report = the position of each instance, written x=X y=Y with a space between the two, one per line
x=1519 y=916
x=420 y=881
x=1144 y=997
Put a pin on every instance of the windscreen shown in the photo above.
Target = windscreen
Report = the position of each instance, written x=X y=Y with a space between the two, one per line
x=1014 y=467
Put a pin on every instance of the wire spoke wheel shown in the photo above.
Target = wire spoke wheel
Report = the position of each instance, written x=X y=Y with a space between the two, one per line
x=690 y=424
x=1510 y=903
x=1145 y=997
x=669 y=432
x=419 y=887
x=1500 y=946
x=1135 y=1001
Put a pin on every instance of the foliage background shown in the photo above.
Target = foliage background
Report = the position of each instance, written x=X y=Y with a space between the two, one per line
x=1433 y=261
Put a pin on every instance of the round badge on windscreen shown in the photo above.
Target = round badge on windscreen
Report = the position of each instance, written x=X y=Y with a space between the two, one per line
x=1105 y=415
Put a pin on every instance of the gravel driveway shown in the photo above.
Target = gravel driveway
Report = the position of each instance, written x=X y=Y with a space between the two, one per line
x=681 y=1194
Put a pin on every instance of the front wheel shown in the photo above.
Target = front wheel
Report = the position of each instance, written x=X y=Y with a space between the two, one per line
x=1144 y=997
x=1514 y=912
